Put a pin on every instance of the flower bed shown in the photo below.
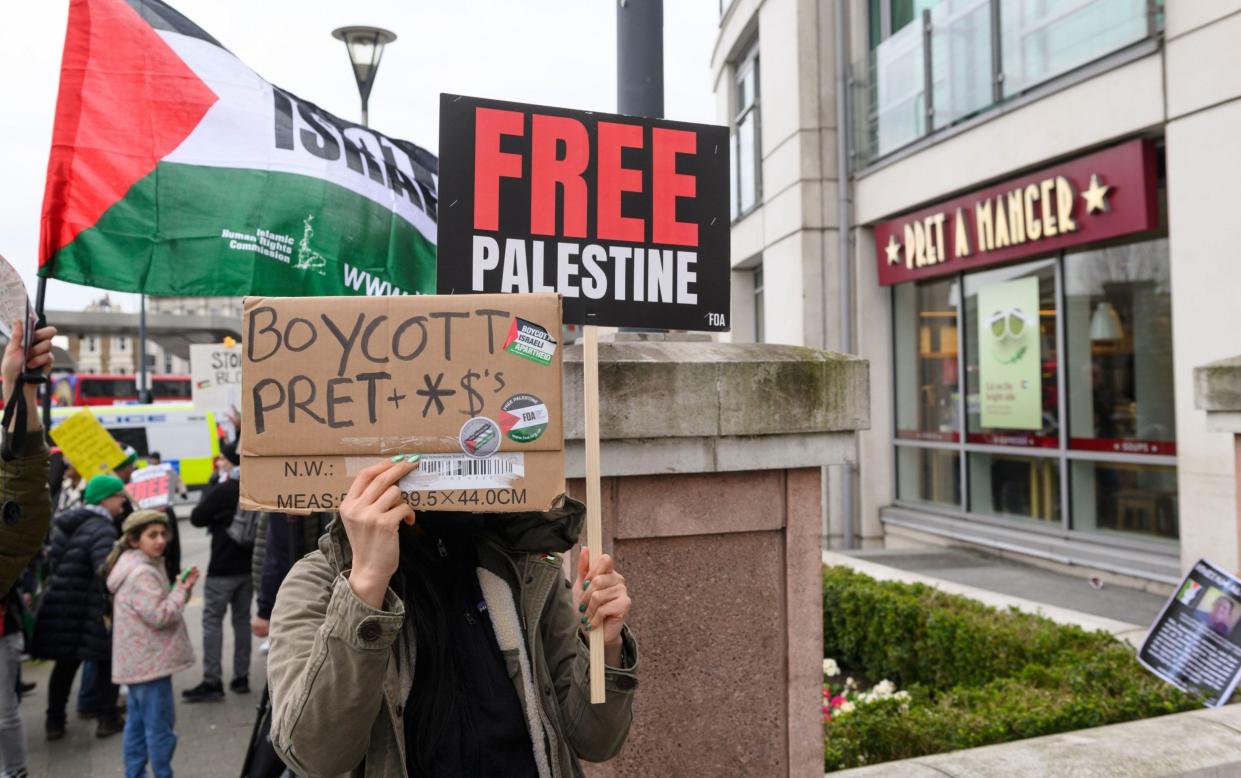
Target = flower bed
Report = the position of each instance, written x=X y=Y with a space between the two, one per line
x=970 y=675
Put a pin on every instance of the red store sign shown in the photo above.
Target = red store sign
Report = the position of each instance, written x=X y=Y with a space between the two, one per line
x=1093 y=198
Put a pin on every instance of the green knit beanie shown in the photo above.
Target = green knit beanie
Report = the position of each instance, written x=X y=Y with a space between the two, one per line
x=100 y=488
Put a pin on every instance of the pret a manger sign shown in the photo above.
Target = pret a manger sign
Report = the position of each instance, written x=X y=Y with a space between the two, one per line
x=626 y=218
x=1097 y=197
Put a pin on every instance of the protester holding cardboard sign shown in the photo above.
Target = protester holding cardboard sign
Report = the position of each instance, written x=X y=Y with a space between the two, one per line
x=446 y=643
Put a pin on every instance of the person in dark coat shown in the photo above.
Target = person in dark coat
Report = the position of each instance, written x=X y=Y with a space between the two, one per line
x=70 y=626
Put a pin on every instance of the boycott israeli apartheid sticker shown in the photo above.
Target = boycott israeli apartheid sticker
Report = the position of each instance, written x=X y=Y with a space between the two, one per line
x=530 y=341
x=523 y=418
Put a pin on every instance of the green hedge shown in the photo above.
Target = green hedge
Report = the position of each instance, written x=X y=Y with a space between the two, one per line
x=976 y=675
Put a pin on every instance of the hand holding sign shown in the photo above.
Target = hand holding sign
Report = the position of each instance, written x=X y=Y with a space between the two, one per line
x=603 y=600
x=372 y=513
x=17 y=357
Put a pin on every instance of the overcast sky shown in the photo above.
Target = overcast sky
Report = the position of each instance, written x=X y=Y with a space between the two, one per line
x=554 y=52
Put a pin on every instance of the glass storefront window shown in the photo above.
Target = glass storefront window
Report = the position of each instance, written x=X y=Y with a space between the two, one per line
x=927 y=384
x=1123 y=497
x=1015 y=485
x=1117 y=450
x=1118 y=317
x=928 y=475
x=1011 y=360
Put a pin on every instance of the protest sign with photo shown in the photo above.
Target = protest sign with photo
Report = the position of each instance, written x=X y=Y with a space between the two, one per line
x=626 y=218
x=87 y=445
x=151 y=487
x=470 y=383
x=1194 y=643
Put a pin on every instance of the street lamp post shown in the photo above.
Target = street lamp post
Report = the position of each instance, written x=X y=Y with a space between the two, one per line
x=366 y=48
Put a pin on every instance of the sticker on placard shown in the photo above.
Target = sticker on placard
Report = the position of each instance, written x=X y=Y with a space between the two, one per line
x=530 y=341
x=524 y=417
x=479 y=437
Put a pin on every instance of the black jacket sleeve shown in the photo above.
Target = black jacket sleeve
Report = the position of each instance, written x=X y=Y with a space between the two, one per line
x=276 y=563
x=216 y=508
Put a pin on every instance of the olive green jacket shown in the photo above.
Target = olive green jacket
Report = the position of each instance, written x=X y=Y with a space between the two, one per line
x=24 y=481
x=340 y=671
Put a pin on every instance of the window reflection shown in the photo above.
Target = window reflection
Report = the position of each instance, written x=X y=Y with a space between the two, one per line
x=927 y=384
x=1118 y=309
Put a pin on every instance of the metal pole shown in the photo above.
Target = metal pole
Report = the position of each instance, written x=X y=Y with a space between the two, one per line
x=144 y=394
x=365 y=113
x=640 y=58
x=844 y=138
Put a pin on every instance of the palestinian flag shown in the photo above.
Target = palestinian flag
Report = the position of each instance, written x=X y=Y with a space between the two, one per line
x=176 y=170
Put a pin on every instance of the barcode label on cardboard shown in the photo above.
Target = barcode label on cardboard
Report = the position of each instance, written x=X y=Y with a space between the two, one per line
x=451 y=471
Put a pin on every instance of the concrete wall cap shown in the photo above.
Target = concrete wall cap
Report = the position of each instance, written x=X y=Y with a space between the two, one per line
x=708 y=390
x=1217 y=385
x=706 y=352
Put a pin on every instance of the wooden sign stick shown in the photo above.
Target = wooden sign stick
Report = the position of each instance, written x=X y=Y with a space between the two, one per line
x=594 y=521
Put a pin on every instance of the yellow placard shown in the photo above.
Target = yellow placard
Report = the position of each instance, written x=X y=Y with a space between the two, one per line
x=87 y=445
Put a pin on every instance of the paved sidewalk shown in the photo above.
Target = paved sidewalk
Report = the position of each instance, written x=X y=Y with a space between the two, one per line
x=213 y=736
x=1004 y=583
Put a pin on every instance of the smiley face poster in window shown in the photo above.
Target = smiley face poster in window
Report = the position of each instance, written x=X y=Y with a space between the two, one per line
x=1008 y=355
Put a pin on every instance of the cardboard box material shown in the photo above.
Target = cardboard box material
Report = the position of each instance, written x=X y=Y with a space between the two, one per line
x=472 y=383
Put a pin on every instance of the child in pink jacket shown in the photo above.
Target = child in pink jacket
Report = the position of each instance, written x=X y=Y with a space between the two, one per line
x=149 y=641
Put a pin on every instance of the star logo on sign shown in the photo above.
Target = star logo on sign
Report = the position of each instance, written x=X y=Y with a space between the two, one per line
x=894 y=250
x=1094 y=196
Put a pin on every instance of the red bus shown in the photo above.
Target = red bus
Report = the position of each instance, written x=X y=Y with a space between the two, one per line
x=102 y=389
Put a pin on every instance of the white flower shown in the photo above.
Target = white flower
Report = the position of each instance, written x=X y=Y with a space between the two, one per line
x=846 y=707
x=885 y=688
x=901 y=695
x=830 y=667
x=850 y=684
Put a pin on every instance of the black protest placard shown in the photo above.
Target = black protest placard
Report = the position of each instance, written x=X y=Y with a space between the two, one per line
x=626 y=218
x=1195 y=643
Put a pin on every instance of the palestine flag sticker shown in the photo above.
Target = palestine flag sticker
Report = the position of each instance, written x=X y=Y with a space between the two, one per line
x=523 y=417
x=530 y=341
x=479 y=437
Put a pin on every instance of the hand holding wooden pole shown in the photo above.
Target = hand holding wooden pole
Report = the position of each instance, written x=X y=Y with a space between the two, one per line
x=594 y=523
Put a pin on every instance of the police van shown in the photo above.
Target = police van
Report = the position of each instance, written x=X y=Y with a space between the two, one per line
x=185 y=437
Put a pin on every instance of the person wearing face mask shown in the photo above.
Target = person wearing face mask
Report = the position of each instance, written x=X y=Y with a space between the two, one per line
x=149 y=639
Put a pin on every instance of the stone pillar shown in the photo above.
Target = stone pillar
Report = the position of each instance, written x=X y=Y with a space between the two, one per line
x=712 y=457
x=1217 y=390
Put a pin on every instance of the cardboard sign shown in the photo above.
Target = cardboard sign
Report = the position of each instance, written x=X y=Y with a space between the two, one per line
x=626 y=218
x=151 y=487
x=1195 y=644
x=215 y=377
x=332 y=385
x=87 y=445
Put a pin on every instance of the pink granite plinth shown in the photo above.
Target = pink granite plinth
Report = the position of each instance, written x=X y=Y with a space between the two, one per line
x=725 y=576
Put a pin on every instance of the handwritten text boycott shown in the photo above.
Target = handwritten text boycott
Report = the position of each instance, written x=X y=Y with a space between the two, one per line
x=347 y=375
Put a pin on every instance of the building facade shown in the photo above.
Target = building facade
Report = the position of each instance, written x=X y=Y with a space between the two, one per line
x=102 y=354
x=164 y=360
x=1039 y=214
x=111 y=354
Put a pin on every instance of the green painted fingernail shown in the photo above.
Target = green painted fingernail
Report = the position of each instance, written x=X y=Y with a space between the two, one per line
x=583 y=619
x=588 y=628
x=582 y=607
x=585 y=584
x=413 y=458
x=398 y=457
